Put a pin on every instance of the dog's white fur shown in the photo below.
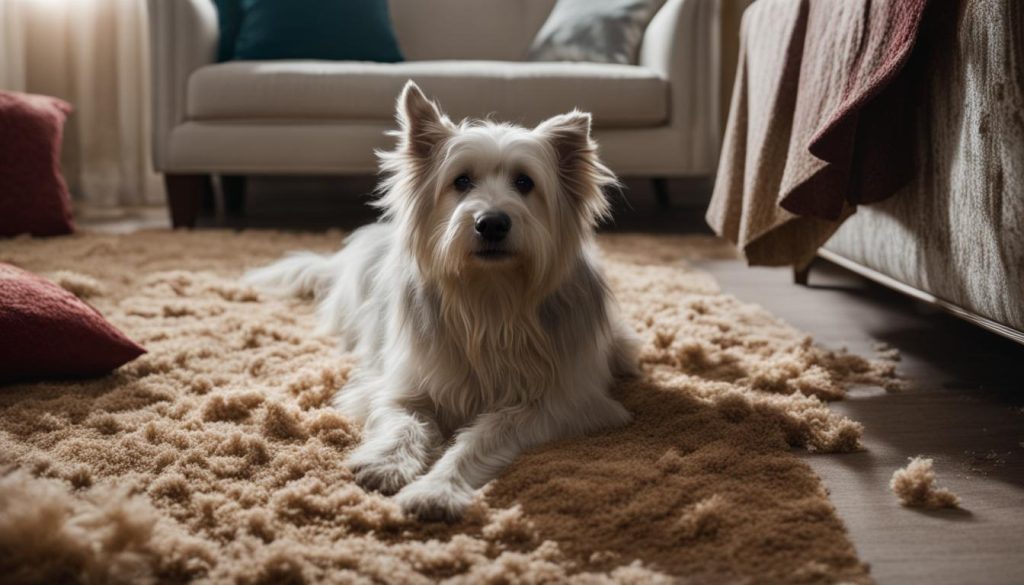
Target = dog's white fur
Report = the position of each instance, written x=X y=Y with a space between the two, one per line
x=467 y=361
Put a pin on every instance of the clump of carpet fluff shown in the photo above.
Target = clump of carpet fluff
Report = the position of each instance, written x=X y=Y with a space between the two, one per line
x=104 y=537
x=82 y=286
x=915 y=487
x=703 y=518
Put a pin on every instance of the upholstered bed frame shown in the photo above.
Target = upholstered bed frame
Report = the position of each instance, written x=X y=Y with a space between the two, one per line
x=954 y=237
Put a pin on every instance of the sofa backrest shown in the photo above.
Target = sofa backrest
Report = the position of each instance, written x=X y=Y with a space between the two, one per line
x=467 y=29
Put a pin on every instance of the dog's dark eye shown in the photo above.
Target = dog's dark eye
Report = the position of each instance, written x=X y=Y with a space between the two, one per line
x=523 y=184
x=462 y=183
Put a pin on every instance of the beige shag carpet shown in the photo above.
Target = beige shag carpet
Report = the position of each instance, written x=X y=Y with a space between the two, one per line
x=215 y=457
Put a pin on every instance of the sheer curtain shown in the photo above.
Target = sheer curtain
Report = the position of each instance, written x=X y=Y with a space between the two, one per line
x=95 y=55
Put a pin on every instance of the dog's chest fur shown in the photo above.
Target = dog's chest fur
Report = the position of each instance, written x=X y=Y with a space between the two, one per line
x=477 y=353
x=473 y=358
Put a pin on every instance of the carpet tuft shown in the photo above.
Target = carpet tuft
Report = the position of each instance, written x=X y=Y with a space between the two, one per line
x=915 y=486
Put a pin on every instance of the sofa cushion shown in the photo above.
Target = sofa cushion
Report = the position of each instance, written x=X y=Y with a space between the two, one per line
x=315 y=29
x=33 y=195
x=487 y=30
x=229 y=22
x=609 y=31
x=47 y=332
x=616 y=95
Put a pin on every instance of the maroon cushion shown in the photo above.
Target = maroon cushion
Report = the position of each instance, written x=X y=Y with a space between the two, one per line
x=33 y=194
x=47 y=332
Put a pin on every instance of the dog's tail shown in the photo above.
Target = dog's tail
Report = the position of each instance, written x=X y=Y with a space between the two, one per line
x=299 y=274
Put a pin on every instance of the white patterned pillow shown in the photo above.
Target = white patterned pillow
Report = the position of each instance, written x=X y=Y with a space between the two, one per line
x=599 y=31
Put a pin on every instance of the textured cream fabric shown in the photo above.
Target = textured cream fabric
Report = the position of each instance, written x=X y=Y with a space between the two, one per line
x=183 y=38
x=682 y=44
x=755 y=155
x=494 y=30
x=957 y=231
x=672 y=134
x=616 y=95
x=315 y=147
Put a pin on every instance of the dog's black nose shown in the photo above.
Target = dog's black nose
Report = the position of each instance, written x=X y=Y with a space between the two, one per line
x=493 y=226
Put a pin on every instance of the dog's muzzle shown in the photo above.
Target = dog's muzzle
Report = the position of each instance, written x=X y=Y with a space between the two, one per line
x=493 y=226
x=491 y=229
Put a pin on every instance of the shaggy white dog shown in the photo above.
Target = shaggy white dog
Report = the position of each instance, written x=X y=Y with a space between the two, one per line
x=476 y=304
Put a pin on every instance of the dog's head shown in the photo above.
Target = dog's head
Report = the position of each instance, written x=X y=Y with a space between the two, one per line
x=493 y=203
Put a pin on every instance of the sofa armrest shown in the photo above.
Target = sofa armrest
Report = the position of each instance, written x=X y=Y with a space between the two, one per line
x=682 y=44
x=183 y=37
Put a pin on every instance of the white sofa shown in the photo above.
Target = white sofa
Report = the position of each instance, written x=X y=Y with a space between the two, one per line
x=658 y=119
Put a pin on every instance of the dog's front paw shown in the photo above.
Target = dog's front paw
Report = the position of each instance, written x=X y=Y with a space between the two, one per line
x=386 y=475
x=432 y=500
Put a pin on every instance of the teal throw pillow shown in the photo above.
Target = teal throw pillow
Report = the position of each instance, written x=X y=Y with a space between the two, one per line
x=346 y=30
x=229 y=17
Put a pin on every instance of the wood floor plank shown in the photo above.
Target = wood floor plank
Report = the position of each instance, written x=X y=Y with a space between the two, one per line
x=964 y=410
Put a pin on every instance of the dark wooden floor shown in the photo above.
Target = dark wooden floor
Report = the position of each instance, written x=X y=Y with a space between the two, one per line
x=966 y=409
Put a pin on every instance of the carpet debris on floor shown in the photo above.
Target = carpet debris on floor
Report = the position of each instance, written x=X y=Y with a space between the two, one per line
x=216 y=456
x=915 y=486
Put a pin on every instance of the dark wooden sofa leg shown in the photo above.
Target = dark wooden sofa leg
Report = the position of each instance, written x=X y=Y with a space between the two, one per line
x=233 y=187
x=660 y=185
x=801 y=273
x=184 y=196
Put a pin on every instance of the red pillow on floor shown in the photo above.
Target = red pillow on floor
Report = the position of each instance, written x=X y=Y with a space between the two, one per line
x=47 y=332
x=33 y=195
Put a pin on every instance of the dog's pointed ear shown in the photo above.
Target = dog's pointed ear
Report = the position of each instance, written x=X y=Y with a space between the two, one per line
x=582 y=173
x=569 y=134
x=423 y=124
